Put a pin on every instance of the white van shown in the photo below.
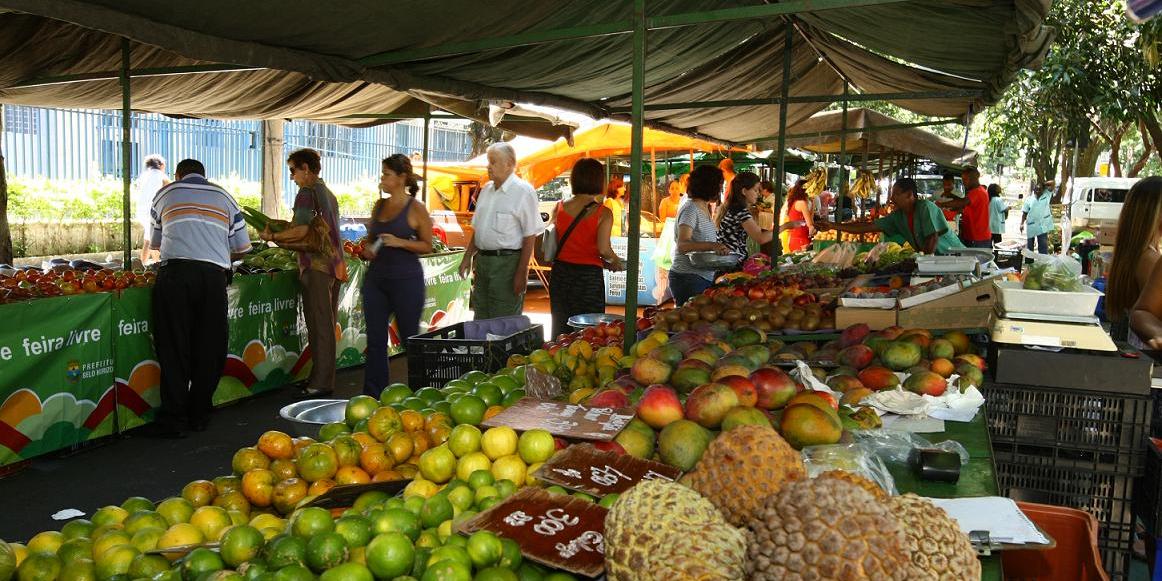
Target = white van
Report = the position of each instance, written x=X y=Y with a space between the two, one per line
x=1097 y=202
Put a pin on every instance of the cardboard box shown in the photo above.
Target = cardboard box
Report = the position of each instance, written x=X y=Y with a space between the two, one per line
x=968 y=308
x=876 y=319
x=1052 y=335
x=1073 y=368
x=1107 y=235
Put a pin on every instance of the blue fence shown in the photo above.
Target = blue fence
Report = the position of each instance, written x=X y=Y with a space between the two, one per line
x=81 y=144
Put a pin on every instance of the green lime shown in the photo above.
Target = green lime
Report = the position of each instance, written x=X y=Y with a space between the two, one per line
x=452 y=397
x=414 y=504
x=414 y=403
x=326 y=550
x=311 y=521
x=520 y=374
x=447 y=571
x=513 y=397
x=506 y=383
x=488 y=503
x=475 y=376
x=462 y=497
x=332 y=430
x=608 y=500
x=285 y=550
x=485 y=549
x=481 y=478
x=429 y=539
x=530 y=572
x=457 y=385
x=253 y=568
x=78 y=528
x=559 y=576
x=505 y=488
x=355 y=529
x=510 y=557
x=370 y=498
x=347 y=572
x=294 y=573
x=85 y=570
x=496 y=574
x=144 y=519
x=430 y=395
x=146 y=566
x=456 y=541
x=136 y=504
x=199 y=562
x=436 y=510
x=443 y=407
x=468 y=410
x=583 y=496
x=394 y=393
x=396 y=520
x=40 y=566
x=454 y=553
x=489 y=392
x=240 y=544
x=390 y=555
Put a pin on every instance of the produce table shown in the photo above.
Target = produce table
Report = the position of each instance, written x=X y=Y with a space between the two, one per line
x=80 y=367
x=978 y=478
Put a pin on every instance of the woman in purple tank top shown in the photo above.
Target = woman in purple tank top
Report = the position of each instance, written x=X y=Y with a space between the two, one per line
x=399 y=231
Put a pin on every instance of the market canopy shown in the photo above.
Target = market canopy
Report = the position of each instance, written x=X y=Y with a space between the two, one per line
x=313 y=60
x=821 y=134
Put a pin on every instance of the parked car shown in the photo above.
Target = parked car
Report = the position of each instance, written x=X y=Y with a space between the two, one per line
x=1097 y=202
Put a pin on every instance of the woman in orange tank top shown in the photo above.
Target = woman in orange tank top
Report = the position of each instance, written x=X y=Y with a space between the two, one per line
x=577 y=285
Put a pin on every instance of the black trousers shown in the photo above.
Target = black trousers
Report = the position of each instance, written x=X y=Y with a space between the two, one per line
x=574 y=289
x=189 y=336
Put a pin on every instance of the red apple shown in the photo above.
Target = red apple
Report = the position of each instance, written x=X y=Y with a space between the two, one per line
x=773 y=387
x=743 y=387
x=659 y=406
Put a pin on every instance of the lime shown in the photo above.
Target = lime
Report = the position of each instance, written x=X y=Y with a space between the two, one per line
x=146 y=566
x=438 y=464
x=146 y=539
x=311 y=521
x=505 y=488
x=390 y=555
x=530 y=572
x=464 y=439
x=474 y=377
x=330 y=431
x=241 y=544
x=447 y=571
x=608 y=500
x=347 y=572
x=506 y=383
x=137 y=503
x=536 y=446
x=480 y=478
x=583 y=496
x=144 y=519
x=436 y=510
x=78 y=528
x=428 y=539
x=456 y=541
x=294 y=573
x=462 y=497
x=453 y=553
x=73 y=549
x=394 y=393
x=285 y=550
x=519 y=374
x=556 y=490
x=513 y=397
x=457 y=385
x=39 y=567
x=430 y=395
x=414 y=504
x=85 y=570
x=370 y=498
x=510 y=556
x=488 y=503
x=394 y=502
x=200 y=561
x=451 y=398
x=396 y=520
x=485 y=549
x=326 y=550
x=414 y=403
x=559 y=576
x=489 y=392
x=108 y=515
x=356 y=530
x=443 y=407
x=252 y=569
x=496 y=574
x=360 y=407
x=487 y=491
x=46 y=542
x=468 y=409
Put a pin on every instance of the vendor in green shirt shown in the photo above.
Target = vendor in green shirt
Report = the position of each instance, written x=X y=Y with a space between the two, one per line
x=918 y=222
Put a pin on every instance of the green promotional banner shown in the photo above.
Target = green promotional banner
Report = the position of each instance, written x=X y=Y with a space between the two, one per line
x=262 y=348
x=56 y=370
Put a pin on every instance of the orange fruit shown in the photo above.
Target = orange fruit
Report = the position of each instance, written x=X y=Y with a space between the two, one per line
x=226 y=484
x=387 y=476
x=258 y=486
x=318 y=462
x=439 y=433
x=400 y=444
x=284 y=469
x=420 y=443
x=320 y=487
x=288 y=493
x=492 y=411
x=351 y=475
x=437 y=418
x=234 y=500
x=199 y=492
x=276 y=444
x=407 y=470
x=347 y=449
x=364 y=439
x=383 y=423
x=300 y=443
x=249 y=458
x=412 y=420
x=374 y=458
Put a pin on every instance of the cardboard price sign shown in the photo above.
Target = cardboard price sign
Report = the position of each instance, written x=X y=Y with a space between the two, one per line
x=563 y=419
x=585 y=468
x=557 y=530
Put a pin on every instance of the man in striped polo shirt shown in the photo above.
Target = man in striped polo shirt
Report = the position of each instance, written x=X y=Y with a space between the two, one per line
x=199 y=228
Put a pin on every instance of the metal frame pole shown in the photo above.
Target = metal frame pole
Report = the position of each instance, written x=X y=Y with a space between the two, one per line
x=632 y=272
x=427 y=131
x=781 y=185
x=842 y=154
x=126 y=156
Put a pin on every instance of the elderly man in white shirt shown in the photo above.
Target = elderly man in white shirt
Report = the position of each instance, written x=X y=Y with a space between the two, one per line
x=506 y=224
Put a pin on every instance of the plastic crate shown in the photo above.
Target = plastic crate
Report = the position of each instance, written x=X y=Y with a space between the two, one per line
x=1097 y=423
x=1076 y=555
x=443 y=355
x=1009 y=258
x=1148 y=500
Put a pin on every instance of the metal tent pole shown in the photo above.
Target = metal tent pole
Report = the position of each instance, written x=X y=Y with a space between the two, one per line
x=126 y=157
x=427 y=124
x=634 y=234
x=842 y=154
x=781 y=185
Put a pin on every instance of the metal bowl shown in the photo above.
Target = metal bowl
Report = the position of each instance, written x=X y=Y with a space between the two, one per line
x=309 y=415
x=592 y=320
x=713 y=260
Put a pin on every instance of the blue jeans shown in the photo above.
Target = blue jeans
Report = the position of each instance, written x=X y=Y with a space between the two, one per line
x=685 y=286
x=1042 y=241
x=384 y=296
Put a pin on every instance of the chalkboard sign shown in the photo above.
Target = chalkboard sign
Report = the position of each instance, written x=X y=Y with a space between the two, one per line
x=557 y=530
x=563 y=419
x=585 y=468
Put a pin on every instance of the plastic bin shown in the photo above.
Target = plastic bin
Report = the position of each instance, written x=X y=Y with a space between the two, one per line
x=1075 y=556
x=1016 y=299
x=1148 y=500
x=445 y=354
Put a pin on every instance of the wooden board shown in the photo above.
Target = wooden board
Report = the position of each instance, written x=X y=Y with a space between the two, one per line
x=343 y=496
x=587 y=469
x=557 y=530
x=563 y=419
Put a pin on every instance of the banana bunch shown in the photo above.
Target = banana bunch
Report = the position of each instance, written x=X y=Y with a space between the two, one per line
x=865 y=186
x=816 y=181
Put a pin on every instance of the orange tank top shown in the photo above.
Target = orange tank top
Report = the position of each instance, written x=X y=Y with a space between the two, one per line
x=581 y=247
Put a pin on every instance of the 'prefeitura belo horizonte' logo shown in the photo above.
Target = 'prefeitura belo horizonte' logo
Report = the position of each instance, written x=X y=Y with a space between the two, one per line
x=73 y=371
x=76 y=371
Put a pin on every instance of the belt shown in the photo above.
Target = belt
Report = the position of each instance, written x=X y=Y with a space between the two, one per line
x=501 y=252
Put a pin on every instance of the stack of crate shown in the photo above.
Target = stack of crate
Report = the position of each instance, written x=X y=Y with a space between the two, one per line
x=1075 y=448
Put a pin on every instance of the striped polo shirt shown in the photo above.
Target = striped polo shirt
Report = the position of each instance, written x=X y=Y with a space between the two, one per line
x=193 y=219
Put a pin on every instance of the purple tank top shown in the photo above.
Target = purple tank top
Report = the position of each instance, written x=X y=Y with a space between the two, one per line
x=396 y=261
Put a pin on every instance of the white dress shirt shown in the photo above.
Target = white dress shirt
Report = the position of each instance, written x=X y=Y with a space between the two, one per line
x=505 y=216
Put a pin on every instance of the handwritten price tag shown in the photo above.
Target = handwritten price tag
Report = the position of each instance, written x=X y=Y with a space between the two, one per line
x=585 y=468
x=563 y=419
x=554 y=529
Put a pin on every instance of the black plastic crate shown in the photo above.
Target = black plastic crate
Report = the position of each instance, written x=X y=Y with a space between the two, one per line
x=1148 y=500
x=445 y=354
x=1097 y=422
x=1126 y=462
x=1006 y=258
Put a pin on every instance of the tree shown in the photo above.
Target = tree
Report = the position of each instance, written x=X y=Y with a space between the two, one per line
x=5 y=232
x=1096 y=91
